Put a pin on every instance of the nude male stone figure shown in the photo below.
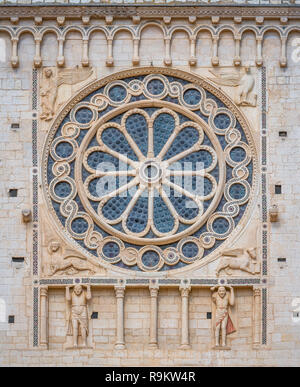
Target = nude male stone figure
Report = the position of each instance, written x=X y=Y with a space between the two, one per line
x=223 y=324
x=78 y=319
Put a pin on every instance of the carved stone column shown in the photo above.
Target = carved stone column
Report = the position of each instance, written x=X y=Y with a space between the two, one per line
x=168 y=59
x=44 y=316
x=120 y=293
x=237 y=58
x=37 y=61
x=14 y=56
x=215 y=57
x=185 y=343
x=153 y=316
x=259 y=59
x=283 y=59
x=193 y=59
x=61 y=59
x=85 y=53
x=136 y=58
x=110 y=59
x=256 y=316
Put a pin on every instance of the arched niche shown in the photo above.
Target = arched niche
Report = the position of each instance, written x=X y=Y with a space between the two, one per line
x=73 y=48
x=248 y=47
x=180 y=48
x=122 y=48
x=49 y=49
x=152 y=36
x=97 y=48
x=204 y=48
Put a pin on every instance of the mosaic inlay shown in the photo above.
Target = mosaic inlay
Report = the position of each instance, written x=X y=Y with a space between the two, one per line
x=149 y=173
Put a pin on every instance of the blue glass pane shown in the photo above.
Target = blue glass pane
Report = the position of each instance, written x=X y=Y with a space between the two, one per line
x=84 y=115
x=150 y=258
x=64 y=150
x=115 y=207
x=220 y=225
x=155 y=87
x=98 y=160
x=222 y=121
x=116 y=141
x=183 y=141
x=184 y=206
x=111 y=250
x=79 y=225
x=237 y=191
x=137 y=127
x=238 y=154
x=163 y=220
x=62 y=189
x=190 y=250
x=197 y=160
x=138 y=217
x=117 y=93
x=192 y=97
x=163 y=127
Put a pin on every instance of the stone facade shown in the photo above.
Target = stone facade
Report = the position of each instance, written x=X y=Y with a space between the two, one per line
x=153 y=296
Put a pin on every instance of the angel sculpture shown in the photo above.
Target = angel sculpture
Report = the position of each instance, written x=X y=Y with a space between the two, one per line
x=246 y=83
x=51 y=83
x=241 y=259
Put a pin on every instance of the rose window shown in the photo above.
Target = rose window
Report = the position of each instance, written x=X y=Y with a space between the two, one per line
x=149 y=173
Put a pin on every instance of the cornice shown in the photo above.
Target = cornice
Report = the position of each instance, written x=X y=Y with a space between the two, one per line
x=149 y=11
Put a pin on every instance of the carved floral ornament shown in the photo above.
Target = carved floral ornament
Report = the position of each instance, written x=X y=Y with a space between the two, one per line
x=149 y=170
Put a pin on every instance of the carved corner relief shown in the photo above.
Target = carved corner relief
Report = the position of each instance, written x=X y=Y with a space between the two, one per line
x=57 y=86
x=59 y=260
x=242 y=81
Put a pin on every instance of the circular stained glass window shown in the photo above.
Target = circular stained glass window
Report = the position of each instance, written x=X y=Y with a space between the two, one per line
x=149 y=174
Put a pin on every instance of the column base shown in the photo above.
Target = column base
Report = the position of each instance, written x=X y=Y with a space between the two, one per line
x=185 y=346
x=120 y=346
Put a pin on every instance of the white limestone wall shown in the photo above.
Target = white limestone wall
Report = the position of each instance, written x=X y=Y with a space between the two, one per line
x=16 y=239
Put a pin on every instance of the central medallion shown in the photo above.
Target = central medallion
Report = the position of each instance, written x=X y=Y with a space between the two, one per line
x=150 y=172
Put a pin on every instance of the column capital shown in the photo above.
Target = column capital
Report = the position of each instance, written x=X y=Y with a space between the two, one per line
x=154 y=291
x=185 y=290
x=120 y=291
x=44 y=291
x=256 y=292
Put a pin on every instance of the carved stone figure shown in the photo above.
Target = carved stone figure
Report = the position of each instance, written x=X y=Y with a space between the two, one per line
x=78 y=320
x=246 y=83
x=48 y=94
x=51 y=83
x=239 y=259
x=68 y=265
x=71 y=265
x=223 y=325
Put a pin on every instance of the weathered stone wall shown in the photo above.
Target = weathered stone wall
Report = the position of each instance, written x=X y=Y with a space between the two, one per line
x=283 y=349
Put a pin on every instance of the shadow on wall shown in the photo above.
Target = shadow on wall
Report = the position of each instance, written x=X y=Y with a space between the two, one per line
x=2 y=50
x=2 y=310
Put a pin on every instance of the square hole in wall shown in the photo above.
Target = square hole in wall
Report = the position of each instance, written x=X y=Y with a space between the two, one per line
x=208 y=315
x=18 y=259
x=94 y=316
x=278 y=189
x=11 y=319
x=13 y=193
x=282 y=134
x=15 y=126
x=281 y=260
